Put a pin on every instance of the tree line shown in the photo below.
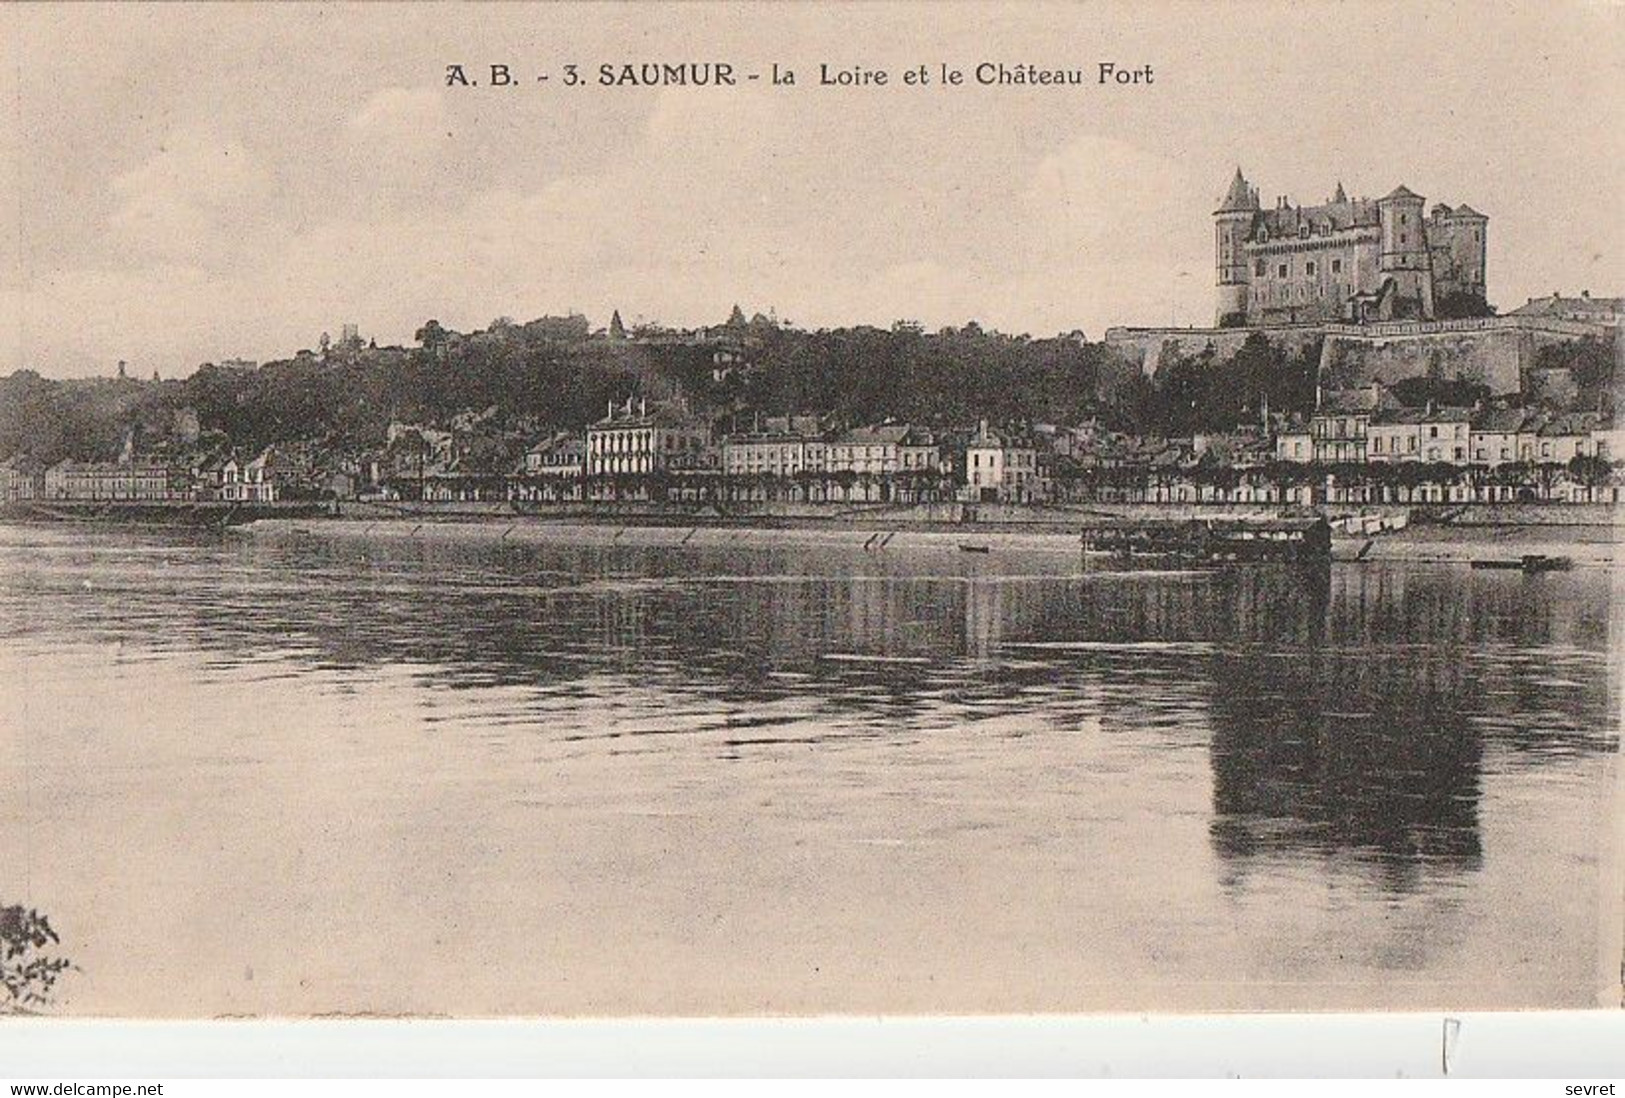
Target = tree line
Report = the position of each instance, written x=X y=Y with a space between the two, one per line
x=553 y=374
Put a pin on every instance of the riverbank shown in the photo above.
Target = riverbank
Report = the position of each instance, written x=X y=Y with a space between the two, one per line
x=1590 y=545
x=1587 y=546
x=956 y=515
x=1589 y=534
x=946 y=516
x=158 y=512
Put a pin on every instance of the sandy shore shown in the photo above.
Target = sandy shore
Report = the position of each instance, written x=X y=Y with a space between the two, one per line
x=1585 y=545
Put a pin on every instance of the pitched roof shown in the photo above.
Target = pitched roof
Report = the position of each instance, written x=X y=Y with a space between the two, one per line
x=1289 y=221
x=1572 y=423
x=791 y=426
x=564 y=442
x=1398 y=193
x=1239 y=197
x=1504 y=421
x=655 y=417
x=1348 y=401
x=1548 y=306
x=882 y=434
x=1398 y=417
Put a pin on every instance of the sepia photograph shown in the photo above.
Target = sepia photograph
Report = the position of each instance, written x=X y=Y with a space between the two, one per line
x=725 y=510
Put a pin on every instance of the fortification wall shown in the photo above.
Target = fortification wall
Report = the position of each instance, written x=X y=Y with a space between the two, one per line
x=1493 y=358
x=1145 y=347
x=1493 y=351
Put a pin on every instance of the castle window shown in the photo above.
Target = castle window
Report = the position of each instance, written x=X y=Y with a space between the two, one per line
x=1258 y=268
x=1404 y=219
x=1281 y=273
x=1309 y=268
x=1337 y=266
x=1402 y=238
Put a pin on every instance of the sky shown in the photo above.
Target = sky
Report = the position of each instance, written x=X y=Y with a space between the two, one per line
x=181 y=185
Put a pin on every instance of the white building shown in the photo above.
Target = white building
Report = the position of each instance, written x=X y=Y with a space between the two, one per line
x=640 y=443
x=1445 y=434
x=1493 y=436
x=1294 y=442
x=999 y=468
x=250 y=482
x=1562 y=438
x=783 y=446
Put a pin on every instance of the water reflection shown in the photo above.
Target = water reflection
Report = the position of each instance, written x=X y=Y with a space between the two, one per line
x=1351 y=717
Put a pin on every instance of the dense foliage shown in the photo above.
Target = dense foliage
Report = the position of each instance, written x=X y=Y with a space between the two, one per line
x=1207 y=392
x=553 y=374
x=1591 y=363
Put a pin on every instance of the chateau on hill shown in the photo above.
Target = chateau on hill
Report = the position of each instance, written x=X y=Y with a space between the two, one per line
x=1349 y=260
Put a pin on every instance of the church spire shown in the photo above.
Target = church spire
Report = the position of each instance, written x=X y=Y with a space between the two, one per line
x=1340 y=196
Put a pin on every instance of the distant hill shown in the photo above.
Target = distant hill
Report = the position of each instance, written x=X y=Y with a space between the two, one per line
x=554 y=373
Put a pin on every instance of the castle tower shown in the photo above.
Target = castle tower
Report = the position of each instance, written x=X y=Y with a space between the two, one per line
x=1464 y=242
x=1404 y=257
x=1233 y=222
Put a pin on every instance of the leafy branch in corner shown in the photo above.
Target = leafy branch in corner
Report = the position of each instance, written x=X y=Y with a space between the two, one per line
x=26 y=972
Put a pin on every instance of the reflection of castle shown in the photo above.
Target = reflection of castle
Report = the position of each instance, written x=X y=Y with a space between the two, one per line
x=1348 y=259
x=1347 y=759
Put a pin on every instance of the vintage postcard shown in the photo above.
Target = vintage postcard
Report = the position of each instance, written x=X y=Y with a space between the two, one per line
x=801 y=509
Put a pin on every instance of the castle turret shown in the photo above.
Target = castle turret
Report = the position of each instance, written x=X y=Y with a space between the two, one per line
x=1404 y=258
x=1233 y=222
x=1457 y=238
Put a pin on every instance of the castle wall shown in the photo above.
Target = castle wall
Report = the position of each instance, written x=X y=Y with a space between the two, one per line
x=1145 y=347
x=1342 y=264
x=1493 y=351
x=1495 y=358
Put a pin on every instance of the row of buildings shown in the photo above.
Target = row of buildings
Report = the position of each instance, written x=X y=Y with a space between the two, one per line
x=637 y=452
x=789 y=456
x=1368 y=425
x=253 y=480
x=1483 y=454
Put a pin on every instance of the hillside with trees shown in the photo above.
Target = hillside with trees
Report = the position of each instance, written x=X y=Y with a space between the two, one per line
x=554 y=373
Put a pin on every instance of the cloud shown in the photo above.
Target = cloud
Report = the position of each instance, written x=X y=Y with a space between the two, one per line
x=700 y=208
x=400 y=120
x=195 y=194
x=1119 y=229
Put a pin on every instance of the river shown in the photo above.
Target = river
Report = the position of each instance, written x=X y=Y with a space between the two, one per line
x=304 y=774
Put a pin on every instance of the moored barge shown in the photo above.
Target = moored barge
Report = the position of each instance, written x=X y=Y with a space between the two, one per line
x=1213 y=540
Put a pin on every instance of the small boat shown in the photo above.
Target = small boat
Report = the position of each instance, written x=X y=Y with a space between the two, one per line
x=1529 y=562
x=963 y=548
